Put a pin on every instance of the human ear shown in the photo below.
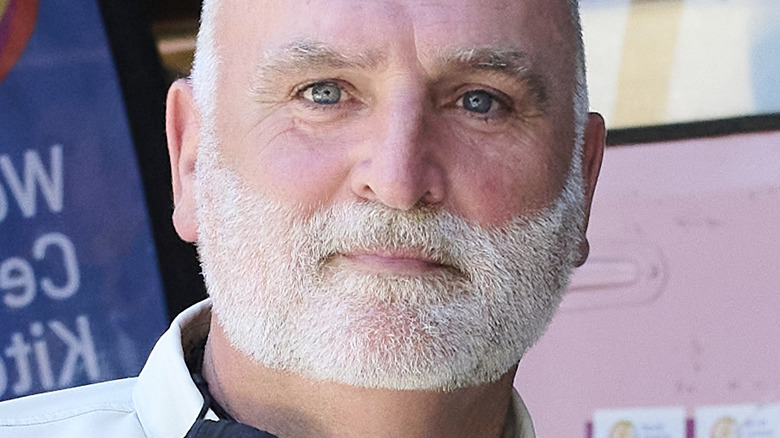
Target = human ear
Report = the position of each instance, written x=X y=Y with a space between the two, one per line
x=592 y=152
x=182 y=126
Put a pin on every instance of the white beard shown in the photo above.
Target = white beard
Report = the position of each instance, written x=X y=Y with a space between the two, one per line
x=283 y=302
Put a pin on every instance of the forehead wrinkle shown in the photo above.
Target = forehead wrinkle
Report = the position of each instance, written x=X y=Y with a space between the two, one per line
x=309 y=56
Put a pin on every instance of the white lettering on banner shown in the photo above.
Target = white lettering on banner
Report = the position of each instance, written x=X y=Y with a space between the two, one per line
x=41 y=351
x=16 y=273
x=18 y=278
x=3 y=378
x=3 y=204
x=72 y=277
x=81 y=346
x=79 y=343
x=19 y=351
x=50 y=354
x=23 y=188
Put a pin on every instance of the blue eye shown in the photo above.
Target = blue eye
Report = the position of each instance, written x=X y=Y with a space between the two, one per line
x=323 y=93
x=477 y=101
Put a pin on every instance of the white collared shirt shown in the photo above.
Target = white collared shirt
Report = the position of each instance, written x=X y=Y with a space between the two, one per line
x=162 y=402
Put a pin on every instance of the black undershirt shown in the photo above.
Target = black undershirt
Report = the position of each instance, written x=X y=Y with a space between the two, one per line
x=227 y=426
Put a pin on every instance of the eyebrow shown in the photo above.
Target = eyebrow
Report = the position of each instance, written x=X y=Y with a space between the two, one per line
x=302 y=53
x=515 y=64
x=307 y=55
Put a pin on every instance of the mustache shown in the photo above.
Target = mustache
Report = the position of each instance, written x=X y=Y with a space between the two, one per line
x=361 y=227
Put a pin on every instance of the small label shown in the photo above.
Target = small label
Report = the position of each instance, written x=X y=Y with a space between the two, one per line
x=639 y=423
x=738 y=421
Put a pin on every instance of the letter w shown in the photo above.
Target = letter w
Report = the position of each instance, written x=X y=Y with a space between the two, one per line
x=35 y=176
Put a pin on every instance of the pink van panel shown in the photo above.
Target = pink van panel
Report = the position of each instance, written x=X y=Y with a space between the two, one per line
x=679 y=303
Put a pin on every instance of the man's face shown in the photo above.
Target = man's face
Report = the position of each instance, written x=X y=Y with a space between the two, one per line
x=383 y=188
x=462 y=104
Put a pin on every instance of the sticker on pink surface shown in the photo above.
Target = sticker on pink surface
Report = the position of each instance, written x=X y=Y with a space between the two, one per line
x=640 y=423
x=738 y=421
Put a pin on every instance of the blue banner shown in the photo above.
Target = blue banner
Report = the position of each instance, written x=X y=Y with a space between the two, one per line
x=81 y=297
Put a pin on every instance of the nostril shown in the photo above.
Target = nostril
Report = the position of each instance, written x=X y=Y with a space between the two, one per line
x=399 y=166
x=394 y=186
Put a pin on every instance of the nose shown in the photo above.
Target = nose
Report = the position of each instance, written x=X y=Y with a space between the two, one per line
x=399 y=166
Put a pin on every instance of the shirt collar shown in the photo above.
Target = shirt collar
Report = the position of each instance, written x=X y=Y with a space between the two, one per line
x=165 y=397
x=519 y=425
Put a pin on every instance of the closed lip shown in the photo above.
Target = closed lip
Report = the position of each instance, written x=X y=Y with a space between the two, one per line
x=409 y=261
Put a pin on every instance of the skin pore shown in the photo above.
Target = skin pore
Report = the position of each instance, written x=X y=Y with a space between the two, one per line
x=400 y=135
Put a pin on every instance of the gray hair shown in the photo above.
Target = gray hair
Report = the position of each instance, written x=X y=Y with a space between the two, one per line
x=205 y=66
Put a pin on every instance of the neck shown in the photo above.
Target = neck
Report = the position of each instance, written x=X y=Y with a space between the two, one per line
x=292 y=406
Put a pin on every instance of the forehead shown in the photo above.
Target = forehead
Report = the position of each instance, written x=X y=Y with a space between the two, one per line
x=252 y=28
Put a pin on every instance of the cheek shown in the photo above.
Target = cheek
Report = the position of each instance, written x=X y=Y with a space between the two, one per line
x=497 y=177
x=286 y=163
x=494 y=196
